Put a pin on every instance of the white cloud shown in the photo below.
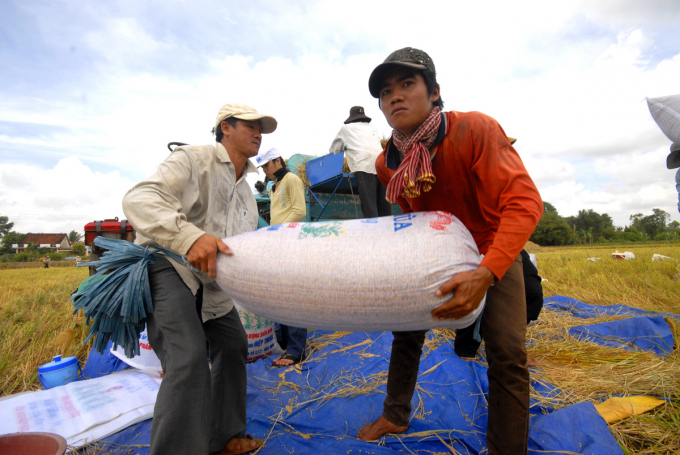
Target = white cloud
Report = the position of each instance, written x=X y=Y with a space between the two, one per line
x=544 y=171
x=59 y=199
x=568 y=79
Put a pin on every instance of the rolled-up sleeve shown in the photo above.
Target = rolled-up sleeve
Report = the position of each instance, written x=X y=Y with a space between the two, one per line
x=154 y=206
x=338 y=144
x=504 y=188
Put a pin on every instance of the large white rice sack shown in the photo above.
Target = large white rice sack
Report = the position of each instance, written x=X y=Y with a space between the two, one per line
x=358 y=275
x=666 y=113
x=260 y=332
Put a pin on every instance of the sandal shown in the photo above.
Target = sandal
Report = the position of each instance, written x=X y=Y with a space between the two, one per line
x=287 y=356
x=245 y=444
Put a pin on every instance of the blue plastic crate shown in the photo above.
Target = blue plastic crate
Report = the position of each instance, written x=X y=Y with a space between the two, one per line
x=324 y=168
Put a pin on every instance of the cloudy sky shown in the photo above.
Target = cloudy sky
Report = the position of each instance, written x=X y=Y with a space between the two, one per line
x=91 y=92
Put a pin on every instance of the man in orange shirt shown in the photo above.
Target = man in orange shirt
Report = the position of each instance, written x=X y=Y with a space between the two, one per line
x=462 y=163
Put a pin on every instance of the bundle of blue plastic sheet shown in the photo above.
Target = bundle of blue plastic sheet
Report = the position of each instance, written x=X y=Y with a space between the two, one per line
x=579 y=309
x=117 y=299
x=639 y=330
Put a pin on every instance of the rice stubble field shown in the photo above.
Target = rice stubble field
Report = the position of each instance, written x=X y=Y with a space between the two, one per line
x=35 y=309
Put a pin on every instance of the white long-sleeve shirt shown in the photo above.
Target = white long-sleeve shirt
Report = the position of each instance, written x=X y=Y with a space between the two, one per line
x=361 y=143
x=193 y=192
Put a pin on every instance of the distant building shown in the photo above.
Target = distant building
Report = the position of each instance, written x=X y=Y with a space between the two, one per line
x=56 y=242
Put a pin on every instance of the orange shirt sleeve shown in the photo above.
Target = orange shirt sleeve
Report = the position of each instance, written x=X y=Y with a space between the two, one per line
x=505 y=191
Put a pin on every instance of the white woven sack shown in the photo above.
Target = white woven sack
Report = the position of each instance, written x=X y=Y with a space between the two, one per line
x=666 y=113
x=358 y=275
x=260 y=332
x=147 y=360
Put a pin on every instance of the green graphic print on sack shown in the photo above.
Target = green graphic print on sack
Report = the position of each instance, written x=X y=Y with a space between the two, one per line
x=251 y=321
x=322 y=230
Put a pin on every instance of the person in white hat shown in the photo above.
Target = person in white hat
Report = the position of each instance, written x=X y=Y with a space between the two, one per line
x=198 y=196
x=287 y=205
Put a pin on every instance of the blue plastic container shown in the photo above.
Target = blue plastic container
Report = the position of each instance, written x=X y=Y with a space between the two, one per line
x=324 y=168
x=59 y=372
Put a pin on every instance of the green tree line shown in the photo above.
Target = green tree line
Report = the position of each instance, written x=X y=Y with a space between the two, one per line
x=33 y=252
x=590 y=227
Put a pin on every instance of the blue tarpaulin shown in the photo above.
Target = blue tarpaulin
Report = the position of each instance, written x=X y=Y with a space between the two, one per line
x=580 y=309
x=645 y=332
x=98 y=365
x=341 y=387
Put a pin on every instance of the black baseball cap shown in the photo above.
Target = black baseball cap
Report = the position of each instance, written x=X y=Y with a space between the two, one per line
x=407 y=57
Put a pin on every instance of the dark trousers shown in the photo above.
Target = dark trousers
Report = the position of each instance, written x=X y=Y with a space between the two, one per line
x=294 y=340
x=465 y=344
x=198 y=408
x=504 y=324
x=533 y=290
x=372 y=195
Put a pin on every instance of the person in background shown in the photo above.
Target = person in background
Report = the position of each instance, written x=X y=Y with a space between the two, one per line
x=261 y=189
x=360 y=142
x=198 y=196
x=287 y=205
x=464 y=164
x=533 y=289
x=677 y=186
x=47 y=262
x=673 y=162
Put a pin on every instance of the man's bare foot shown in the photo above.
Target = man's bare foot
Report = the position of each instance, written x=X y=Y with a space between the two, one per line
x=379 y=428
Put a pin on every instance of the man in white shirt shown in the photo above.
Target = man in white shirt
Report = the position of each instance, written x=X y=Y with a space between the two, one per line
x=361 y=143
x=198 y=196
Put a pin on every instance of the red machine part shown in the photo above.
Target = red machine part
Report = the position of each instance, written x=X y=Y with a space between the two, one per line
x=110 y=228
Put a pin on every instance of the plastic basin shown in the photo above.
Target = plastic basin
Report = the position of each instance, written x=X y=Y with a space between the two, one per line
x=32 y=443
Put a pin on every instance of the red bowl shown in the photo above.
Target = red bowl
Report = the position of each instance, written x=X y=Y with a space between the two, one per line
x=32 y=443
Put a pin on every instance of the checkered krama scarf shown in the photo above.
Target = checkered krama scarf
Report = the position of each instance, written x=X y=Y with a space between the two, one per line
x=415 y=171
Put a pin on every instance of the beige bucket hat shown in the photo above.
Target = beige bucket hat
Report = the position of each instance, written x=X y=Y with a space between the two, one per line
x=245 y=112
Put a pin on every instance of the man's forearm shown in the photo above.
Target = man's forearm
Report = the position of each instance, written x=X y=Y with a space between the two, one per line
x=168 y=228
